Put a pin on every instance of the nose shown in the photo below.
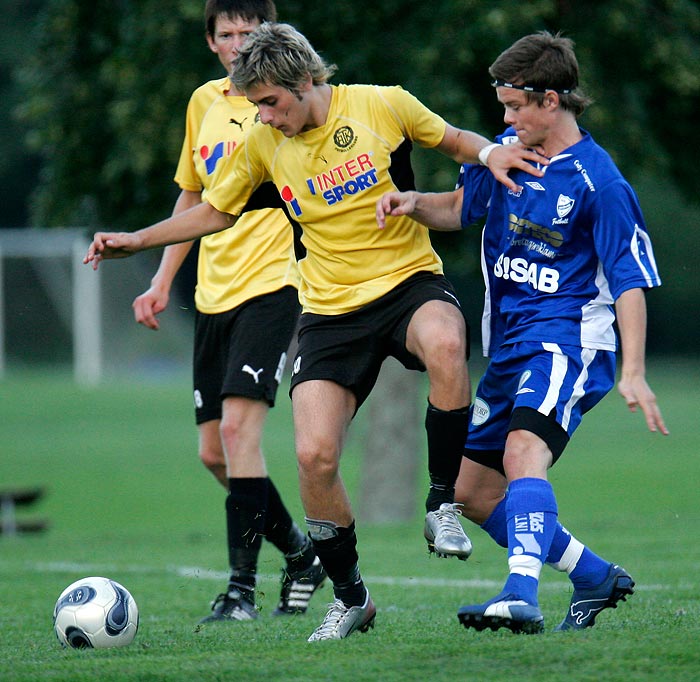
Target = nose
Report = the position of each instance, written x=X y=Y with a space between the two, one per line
x=508 y=117
x=265 y=114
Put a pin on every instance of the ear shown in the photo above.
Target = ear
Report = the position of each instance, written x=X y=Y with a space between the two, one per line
x=551 y=100
x=212 y=44
x=307 y=85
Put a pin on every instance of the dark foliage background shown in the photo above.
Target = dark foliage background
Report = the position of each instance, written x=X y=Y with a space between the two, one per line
x=92 y=98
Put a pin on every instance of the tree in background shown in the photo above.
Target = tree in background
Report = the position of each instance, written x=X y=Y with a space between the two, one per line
x=101 y=94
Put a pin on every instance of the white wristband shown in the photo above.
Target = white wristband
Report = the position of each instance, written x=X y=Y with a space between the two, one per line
x=484 y=153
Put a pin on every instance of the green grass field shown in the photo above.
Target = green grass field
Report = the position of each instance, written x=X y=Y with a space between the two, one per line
x=127 y=498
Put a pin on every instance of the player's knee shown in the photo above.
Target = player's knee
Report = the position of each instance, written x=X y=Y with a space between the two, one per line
x=446 y=350
x=212 y=458
x=316 y=461
x=230 y=430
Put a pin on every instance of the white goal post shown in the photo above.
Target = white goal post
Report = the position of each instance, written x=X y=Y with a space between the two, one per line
x=84 y=295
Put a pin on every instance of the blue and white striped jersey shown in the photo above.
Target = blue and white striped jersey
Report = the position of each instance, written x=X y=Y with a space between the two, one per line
x=557 y=255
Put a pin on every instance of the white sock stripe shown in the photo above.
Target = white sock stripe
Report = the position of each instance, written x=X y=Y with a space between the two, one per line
x=524 y=564
x=571 y=555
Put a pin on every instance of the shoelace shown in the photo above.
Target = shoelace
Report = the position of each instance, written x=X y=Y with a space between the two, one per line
x=336 y=612
x=449 y=518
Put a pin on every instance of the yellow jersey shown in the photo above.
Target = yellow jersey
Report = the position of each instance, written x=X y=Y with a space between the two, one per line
x=331 y=178
x=257 y=255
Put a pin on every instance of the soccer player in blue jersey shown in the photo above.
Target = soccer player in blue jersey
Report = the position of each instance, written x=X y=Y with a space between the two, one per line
x=563 y=257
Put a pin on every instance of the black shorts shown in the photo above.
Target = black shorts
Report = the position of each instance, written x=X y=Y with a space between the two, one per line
x=243 y=351
x=349 y=349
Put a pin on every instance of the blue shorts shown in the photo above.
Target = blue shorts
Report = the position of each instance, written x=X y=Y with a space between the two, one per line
x=544 y=388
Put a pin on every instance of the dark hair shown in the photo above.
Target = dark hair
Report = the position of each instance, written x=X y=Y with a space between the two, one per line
x=539 y=62
x=262 y=10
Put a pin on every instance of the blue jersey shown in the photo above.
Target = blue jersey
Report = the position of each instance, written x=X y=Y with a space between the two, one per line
x=558 y=254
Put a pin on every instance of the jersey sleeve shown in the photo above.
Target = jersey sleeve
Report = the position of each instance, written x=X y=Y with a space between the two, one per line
x=242 y=173
x=622 y=241
x=186 y=174
x=477 y=185
x=419 y=123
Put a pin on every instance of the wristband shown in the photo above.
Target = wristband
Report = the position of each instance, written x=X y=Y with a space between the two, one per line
x=484 y=153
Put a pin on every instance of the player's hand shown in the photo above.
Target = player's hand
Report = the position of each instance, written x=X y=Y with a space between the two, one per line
x=637 y=394
x=148 y=305
x=508 y=156
x=107 y=245
x=394 y=204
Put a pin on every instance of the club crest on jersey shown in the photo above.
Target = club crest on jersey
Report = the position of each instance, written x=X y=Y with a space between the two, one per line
x=344 y=138
x=564 y=205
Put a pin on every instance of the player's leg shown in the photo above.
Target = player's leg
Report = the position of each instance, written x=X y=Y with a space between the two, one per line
x=303 y=572
x=531 y=518
x=437 y=336
x=211 y=451
x=246 y=504
x=255 y=511
x=598 y=584
x=322 y=414
x=250 y=361
x=583 y=377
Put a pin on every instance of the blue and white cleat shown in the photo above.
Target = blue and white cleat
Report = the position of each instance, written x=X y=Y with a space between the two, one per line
x=587 y=604
x=515 y=614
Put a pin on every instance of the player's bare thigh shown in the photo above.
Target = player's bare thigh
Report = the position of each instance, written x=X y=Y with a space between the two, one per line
x=437 y=335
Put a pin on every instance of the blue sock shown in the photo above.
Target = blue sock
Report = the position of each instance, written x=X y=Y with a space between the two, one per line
x=531 y=513
x=585 y=568
x=495 y=525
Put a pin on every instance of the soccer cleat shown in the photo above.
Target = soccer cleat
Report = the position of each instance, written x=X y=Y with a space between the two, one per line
x=587 y=604
x=445 y=534
x=231 y=605
x=298 y=588
x=515 y=614
x=341 y=621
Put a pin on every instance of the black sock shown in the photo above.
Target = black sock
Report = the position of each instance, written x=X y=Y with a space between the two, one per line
x=447 y=435
x=278 y=522
x=338 y=554
x=246 y=506
x=284 y=534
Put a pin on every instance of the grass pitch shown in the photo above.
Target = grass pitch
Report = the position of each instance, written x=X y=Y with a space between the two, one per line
x=127 y=498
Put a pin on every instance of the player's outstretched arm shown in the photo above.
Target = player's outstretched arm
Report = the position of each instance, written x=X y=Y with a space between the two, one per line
x=464 y=146
x=441 y=211
x=196 y=222
x=631 y=313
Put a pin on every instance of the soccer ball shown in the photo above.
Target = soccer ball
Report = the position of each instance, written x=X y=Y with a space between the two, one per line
x=95 y=613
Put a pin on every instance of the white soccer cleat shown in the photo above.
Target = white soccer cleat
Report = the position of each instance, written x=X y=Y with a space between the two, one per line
x=445 y=534
x=341 y=621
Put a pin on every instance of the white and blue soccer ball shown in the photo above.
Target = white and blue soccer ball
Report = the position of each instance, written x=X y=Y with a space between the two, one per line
x=95 y=613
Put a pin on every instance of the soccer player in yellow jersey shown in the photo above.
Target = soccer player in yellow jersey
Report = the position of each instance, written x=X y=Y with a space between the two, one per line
x=246 y=312
x=366 y=293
